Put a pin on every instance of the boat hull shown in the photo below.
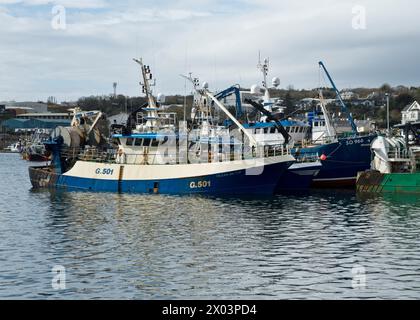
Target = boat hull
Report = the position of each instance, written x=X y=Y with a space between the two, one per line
x=343 y=160
x=298 y=177
x=37 y=158
x=237 y=177
x=375 y=182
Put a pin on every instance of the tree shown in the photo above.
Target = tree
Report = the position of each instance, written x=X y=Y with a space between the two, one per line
x=385 y=88
x=288 y=102
x=417 y=95
x=402 y=100
x=395 y=117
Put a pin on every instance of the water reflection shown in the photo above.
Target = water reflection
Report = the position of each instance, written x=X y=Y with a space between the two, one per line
x=286 y=246
x=155 y=246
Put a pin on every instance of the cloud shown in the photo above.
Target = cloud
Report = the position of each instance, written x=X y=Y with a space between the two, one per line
x=81 y=4
x=217 y=41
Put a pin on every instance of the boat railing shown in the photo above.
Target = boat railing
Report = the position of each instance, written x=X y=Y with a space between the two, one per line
x=157 y=156
x=306 y=157
x=324 y=139
x=165 y=119
x=397 y=153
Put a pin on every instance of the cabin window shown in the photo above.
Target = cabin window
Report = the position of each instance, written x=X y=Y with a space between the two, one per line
x=288 y=129
x=138 y=142
x=155 y=143
x=146 y=142
x=272 y=130
x=266 y=130
x=129 y=142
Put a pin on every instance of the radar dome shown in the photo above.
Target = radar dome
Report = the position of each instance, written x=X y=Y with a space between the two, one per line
x=255 y=89
x=276 y=82
x=161 y=98
x=205 y=85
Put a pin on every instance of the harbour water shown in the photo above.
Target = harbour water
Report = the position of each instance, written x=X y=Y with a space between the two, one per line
x=322 y=245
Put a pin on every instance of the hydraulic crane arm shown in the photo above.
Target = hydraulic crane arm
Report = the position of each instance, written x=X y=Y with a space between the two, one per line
x=343 y=105
x=270 y=117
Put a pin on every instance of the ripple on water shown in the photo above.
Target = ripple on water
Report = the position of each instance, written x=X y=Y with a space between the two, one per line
x=147 y=247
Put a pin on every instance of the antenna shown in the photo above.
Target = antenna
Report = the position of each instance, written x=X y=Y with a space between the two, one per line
x=115 y=89
x=195 y=81
x=263 y=68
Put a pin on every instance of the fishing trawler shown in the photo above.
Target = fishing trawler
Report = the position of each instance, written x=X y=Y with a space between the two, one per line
x=395 y=165
x=323 y=159
x=341 y=157
x=269 y=128
x=34 y=150
x=161 y=155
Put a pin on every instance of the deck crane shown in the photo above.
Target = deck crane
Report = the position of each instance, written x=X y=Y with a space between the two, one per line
x=344 y=108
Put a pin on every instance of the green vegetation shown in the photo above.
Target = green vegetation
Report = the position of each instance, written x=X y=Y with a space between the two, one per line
x=400 y=97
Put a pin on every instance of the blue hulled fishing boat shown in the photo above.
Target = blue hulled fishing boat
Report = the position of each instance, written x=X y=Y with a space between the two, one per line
x=341 y=158
x=323 y=159
x=162 y=155
x=268 y=128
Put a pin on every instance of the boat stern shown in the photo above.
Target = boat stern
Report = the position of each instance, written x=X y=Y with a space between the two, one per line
x=43 y=177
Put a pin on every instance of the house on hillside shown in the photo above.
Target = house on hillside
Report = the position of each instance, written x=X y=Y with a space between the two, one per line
x=17 y=108
x=365 y=126
x=363 y=103
x=349 y=95
x=411 y=113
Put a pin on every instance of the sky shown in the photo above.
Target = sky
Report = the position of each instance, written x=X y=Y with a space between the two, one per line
x=363 y=43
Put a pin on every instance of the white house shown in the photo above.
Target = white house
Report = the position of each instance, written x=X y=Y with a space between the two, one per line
x=349 y=95
x=365 y=126
x=411 y=113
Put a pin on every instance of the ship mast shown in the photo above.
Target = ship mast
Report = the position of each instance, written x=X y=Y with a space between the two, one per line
x=147 y=84
x=263 y=67
x=205 y=93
